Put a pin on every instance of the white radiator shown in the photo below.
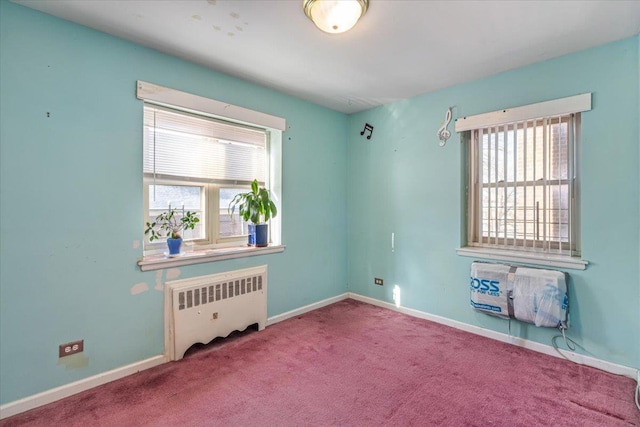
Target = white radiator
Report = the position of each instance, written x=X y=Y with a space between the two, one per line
x=203 y=308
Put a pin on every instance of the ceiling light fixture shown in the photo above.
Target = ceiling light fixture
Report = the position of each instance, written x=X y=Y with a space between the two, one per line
x=335 y=16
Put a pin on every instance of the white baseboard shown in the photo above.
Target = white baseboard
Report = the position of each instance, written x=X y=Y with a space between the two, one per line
x=305 y=309
x=499 y=336
x=49 y=396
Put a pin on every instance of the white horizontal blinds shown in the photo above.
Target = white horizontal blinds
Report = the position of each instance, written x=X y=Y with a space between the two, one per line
x=524 y=185
x=183 y=146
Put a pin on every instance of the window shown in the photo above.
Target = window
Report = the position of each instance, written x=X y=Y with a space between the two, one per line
x=196 y=163
x=522 y=185
x=523 y=180
x=197 y=160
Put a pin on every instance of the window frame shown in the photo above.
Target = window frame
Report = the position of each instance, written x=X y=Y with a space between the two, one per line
x=477 y=246
x=210 y=205
x=209 y=108
x=151 y=247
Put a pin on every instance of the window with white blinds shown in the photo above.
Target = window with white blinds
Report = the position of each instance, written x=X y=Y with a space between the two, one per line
x=522 y=193
x=197 y=163
x=523 y=170
x=198 y=153
x=197 y=148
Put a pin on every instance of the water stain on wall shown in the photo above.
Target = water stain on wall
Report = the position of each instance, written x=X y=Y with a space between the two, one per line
x=159 y=283
x=172 y=274
x=75 y=361
x=139 y=288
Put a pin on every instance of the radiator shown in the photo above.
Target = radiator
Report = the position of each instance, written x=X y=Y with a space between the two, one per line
x=203 y=308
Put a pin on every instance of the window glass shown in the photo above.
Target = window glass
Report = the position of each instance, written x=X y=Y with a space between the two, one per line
x=180 y=197
x=230 y=226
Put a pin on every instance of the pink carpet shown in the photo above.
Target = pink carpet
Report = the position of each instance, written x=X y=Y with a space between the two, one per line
x=353 y=364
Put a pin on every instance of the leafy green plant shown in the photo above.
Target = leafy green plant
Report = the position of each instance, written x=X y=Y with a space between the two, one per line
x=255 y=206
x=170 y=224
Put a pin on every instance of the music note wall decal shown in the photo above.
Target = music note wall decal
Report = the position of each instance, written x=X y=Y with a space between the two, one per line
x=367 y=127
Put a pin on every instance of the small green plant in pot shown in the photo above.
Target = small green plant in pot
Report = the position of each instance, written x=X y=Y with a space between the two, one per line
x=170 y=224
x=257 y=207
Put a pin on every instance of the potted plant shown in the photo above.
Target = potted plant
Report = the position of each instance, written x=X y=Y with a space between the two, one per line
x=255 y=206
x=170 y=224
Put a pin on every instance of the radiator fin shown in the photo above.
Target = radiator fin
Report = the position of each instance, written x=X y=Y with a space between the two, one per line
x=206 y=295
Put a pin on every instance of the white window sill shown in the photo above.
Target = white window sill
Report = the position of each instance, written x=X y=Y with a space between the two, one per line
x=158 y=262
x=547 y=260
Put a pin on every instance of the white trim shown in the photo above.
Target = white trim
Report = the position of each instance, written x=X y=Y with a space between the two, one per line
x=50 y=396
x=603 y=365
x=556 y=107
x=298 y=311
x=275 y=184
x=174 y=98
x=158 y=262
x=545 y=259
x=54 y=394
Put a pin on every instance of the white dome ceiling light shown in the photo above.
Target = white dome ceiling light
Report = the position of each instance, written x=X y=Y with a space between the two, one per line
x=335 y=16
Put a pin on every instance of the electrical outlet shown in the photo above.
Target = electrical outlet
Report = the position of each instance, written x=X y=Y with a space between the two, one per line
x=71 y=348
x=378 y=281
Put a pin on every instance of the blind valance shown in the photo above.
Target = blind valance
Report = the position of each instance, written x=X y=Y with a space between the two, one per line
x=556 y=107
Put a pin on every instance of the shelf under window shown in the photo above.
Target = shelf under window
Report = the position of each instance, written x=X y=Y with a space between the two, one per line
x=158 y=262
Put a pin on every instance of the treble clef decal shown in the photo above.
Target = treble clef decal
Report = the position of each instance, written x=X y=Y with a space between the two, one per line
x=443 y=132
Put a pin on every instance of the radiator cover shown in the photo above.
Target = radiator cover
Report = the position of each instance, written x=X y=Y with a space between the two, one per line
x=203 y=308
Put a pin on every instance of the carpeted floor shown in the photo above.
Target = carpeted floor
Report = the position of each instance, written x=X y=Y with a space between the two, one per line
x=353 y=364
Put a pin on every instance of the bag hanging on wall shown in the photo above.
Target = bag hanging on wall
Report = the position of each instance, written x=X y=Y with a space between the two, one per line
x=531 y=295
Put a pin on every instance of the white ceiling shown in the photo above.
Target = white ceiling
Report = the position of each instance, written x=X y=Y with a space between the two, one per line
x=399 y=49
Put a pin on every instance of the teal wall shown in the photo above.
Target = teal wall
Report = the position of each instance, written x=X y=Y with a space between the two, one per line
x=401 y=181
x=71 y=198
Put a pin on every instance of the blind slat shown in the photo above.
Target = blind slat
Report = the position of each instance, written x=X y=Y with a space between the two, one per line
x=536 y=212
x=496 y=167
x=478 y=209
x=524 y=171
x=571 y=177
x=515 y=182
x=505 y=178
x=545 y=131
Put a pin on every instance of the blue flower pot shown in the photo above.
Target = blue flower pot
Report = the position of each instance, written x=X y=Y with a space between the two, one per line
x=262 y=235
x=174 y=246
